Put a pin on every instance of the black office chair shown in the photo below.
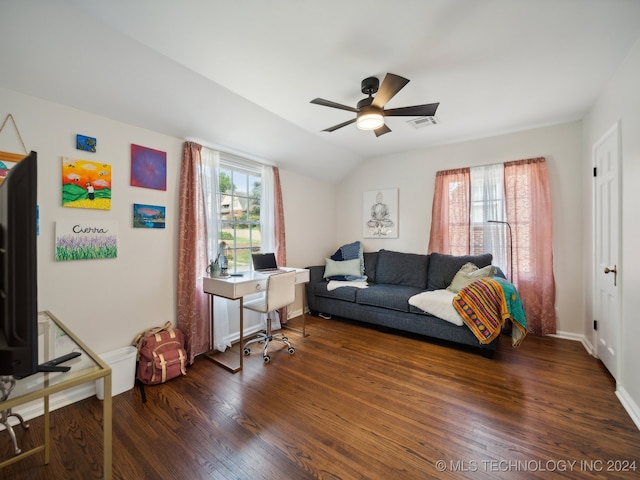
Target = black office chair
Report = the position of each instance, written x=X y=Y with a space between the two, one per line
x=279 y=293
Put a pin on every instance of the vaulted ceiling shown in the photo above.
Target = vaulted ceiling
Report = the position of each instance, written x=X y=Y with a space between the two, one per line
x=241 y=74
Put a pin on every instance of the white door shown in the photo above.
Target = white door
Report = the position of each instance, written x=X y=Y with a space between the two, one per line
x=606 y=237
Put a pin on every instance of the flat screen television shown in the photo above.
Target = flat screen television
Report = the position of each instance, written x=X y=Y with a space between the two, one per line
x=19 y=269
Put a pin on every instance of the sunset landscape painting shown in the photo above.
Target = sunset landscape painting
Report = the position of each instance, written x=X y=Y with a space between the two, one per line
x=148 y=216
x=86 y=184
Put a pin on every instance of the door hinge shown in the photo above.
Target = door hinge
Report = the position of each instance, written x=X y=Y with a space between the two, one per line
x=595 y=324
x=595 y=171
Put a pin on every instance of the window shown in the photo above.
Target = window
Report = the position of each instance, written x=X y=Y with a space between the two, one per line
x=487 y=231
x=507 y=213
x=239 y=192
x=233 y=189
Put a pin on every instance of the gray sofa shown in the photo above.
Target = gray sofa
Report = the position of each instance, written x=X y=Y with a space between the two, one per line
x=393 y=278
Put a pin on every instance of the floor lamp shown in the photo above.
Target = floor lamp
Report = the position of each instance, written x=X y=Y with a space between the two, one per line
x=510 y=245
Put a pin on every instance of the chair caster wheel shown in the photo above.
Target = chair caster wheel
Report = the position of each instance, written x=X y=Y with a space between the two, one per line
x=266 y=359
x=247 y=351
x=285 y=339
x=292 y=350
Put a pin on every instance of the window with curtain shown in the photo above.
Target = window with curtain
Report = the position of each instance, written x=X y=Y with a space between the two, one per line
x=235 y=208
x=239 y=211
x=503 y=209
x=206 y=176
x=238 y=195
x=450 y=213
x=488 y=208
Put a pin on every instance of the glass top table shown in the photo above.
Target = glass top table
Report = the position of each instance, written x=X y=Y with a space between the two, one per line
x=54 y=341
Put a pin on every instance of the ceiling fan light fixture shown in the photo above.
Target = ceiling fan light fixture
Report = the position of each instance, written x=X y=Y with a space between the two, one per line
x=370 y=119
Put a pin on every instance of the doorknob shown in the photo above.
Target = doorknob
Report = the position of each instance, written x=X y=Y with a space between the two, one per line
x=613 y=270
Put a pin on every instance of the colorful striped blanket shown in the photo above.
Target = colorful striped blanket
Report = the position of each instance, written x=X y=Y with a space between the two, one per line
x=486 y=304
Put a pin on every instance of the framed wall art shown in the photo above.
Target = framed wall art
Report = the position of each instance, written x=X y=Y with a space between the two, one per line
x=148 y=168
x=5 y=166
x=380 y=213
x=86 y=240
x=85 y=143
x=86 y=184
x=148 y=216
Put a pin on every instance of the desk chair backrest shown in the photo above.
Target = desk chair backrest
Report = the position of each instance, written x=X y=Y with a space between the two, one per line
x=281 y=291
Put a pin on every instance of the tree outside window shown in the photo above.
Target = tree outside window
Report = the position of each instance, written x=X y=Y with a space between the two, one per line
x=240 y=192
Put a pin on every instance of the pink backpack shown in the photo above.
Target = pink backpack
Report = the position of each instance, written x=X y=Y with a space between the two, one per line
x=161 y=355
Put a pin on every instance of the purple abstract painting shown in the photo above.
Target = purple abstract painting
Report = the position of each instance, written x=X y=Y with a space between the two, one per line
x=148 y=168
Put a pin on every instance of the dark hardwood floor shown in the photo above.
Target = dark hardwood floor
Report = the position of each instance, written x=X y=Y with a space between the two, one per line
x=357 y=403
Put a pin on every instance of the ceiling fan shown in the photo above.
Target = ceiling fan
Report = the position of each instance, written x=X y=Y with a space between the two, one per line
x=370 y=111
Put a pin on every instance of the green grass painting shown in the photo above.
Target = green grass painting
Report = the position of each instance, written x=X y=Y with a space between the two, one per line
x=76 y=241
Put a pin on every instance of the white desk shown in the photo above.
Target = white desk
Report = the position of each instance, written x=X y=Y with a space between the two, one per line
x=235 y=288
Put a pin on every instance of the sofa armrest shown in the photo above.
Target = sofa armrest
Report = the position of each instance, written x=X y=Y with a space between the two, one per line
x=316 y=275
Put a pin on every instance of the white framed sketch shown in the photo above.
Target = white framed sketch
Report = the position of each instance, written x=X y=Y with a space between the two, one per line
x=380 y=213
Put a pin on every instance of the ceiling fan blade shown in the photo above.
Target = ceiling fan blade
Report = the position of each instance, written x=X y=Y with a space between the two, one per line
x=336 y=127
x=391 y=85
x=428 y=110
x=328 y=103
x=382 y=130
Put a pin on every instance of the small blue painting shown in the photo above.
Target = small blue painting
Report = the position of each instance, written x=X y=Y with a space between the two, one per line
x=148 y=216
x=87 y=144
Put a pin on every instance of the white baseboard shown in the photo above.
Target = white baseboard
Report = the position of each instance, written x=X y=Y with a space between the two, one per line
x=623 y=396
x=629 y=405
x=576 y=337
x=58 y=400
x=294 y=313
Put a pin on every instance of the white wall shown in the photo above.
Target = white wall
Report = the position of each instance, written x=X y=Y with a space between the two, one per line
x=309 y=212
x=107 y=302
x=620 y=101
x=414 y=174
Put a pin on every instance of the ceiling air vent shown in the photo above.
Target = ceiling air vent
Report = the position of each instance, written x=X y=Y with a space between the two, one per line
x=422 y=122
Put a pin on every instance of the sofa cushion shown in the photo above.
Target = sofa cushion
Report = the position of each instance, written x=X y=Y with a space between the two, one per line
x=343 y=293
x=370 y=263
x=442 y=268
x=394 y=297
x=398 y=268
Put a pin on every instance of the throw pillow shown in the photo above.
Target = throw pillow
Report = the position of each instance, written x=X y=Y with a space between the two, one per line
x=341 y=268
x=468 y=274
x=442 y=268
x=349 y=251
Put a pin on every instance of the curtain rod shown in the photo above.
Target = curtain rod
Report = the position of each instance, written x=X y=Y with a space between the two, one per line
x=230 y=151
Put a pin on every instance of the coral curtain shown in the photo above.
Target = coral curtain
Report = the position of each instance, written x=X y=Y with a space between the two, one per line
x=192 y=302
x=528 y=202
x=450 y=213
x=280 y=240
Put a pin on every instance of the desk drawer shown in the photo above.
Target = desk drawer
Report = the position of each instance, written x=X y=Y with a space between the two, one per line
x=234 y=287
x=247 y=288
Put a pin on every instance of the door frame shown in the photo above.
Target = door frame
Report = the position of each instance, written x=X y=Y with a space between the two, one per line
x=615 y=129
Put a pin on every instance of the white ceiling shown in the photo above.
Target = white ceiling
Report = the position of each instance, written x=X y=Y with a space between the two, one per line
x=240 y=74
